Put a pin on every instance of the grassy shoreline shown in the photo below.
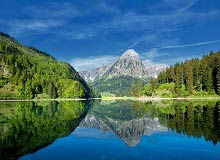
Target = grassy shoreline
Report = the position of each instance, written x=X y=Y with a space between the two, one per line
x=28 y=100
x=117 y=98
x=163 y=98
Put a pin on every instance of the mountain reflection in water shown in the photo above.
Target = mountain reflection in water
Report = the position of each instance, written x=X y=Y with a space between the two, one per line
x=130 y=120
x=30 y=130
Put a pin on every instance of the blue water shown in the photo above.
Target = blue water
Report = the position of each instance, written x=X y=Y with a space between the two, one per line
x=93 y=144
x=110 y=130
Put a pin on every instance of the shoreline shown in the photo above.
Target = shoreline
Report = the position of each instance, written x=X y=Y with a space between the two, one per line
x=177 y=98
x=114 y=98
x=30 y=100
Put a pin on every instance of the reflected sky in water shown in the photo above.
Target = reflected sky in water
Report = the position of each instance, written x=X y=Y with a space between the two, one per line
x=106 y=130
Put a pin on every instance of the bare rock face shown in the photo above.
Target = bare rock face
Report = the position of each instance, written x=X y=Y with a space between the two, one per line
x=151 y=69
x=92 y=75
x=129 y=64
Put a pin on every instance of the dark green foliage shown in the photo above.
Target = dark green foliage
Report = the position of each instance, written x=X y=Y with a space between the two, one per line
x=178 y=78
x=28 y=126
x=134 y=90
x=140 y=87
x=194 y=76
x=1 y=79
x=40 y=52
x=148 y=90
x=188 y=74
x=153 y=84
x=29 y=71
x=120 y=86
x=6 y=35
x=190 y=118
x=51 y=91
x=217 y=74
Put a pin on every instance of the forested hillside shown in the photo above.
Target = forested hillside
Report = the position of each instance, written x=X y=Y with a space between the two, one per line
x=193 y=77
x=26 y=72
x=117 y=86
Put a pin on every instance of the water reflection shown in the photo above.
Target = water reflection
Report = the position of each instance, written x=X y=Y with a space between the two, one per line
x=126 y=119
x=26 y=127
x=135 y=128
x=130 y=120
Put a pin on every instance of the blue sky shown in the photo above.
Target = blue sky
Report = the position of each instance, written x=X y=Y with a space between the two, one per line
x=94 y=32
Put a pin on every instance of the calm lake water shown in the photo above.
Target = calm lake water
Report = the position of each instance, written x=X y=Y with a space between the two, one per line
x=110 y=130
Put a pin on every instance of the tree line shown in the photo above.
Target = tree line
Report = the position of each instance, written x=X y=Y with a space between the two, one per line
x=191 y=77
x=194 y=75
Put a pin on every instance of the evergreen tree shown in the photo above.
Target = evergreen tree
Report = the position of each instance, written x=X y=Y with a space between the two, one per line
x=134 y=91
x=196 y=74
x=29 y=71
x=217 y=76
x=153 y=84
x=140 y=88
x=1 y=79
x=178 y=78
x=51 y=90
x=148 y=90
x=172 y=74
x=188 y=77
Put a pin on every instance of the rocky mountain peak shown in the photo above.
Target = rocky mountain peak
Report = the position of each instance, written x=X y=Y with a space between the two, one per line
x=129 y=64
x=130 y=53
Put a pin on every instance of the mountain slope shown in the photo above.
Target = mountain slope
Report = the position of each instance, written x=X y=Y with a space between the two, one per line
x=117 y=85
x=93 y=74
x=152 y=69
x=118 y=77
x=26 y=72
x=129 y=64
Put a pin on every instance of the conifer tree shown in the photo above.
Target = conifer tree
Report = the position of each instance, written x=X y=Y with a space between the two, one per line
x=178 y=78
x=51 y=90
x=133 y=90
x=140 y=88
x=218 y=74
x=1 y=79
x=188 y=77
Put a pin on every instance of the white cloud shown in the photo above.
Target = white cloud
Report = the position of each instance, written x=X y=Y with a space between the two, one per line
x=172 y=61
x=180 y=5
x=152 y=54
x=25 y=26
x=53 y=10
x=190 y=45
x=180 y=59
x=156 y=29
x=92 y=62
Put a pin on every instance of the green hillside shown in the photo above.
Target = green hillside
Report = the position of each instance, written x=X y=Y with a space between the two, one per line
x=26 y=72
x=118 y=85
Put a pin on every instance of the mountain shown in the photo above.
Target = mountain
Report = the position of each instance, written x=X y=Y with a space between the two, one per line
x=26 y=72
x=152 y=69
x=129 y=64
x=115 y=86
x=93 y=74
x=117 y=77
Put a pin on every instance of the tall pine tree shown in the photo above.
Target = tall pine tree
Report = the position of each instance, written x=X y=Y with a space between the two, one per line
x=217 y=76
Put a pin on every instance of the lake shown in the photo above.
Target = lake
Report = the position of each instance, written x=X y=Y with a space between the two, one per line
x=110 y=130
